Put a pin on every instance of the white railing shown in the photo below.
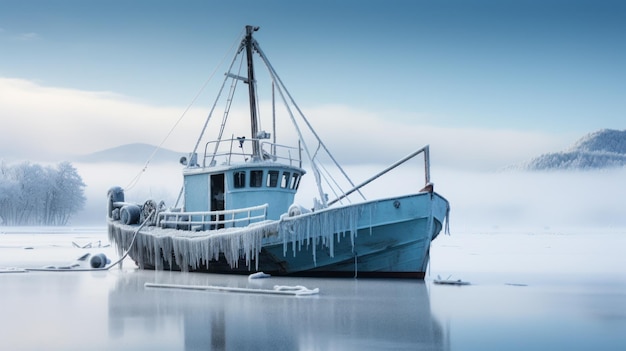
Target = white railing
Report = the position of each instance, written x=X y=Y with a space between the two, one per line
x=425 y=150
x=241 y=149
x=212 y=219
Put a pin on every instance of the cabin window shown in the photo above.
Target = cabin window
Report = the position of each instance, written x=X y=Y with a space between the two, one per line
x=296 y=181
x=256 y=179
x=239 y=179
x=284 y=182
x=272 y=179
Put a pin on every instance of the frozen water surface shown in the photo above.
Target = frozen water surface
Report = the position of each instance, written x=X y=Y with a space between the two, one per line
x=539 y=290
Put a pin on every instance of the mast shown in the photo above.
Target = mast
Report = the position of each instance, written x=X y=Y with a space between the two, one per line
x=256 y=154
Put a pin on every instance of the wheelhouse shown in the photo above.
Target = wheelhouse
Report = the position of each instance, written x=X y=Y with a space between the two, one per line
x=242 y=186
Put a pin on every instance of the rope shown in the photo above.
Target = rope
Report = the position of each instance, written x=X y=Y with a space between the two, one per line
x=297 y=290
x=135 y=180
x=281 y=86
x=229 y=101
x=132 y=242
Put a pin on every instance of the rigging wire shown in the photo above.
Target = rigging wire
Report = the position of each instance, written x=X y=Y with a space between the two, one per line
x=206 y=122
x=280 y=84
x=229 y=102
x=135 y=180
x=316 y=172
x=337 y=189
x=219 y=94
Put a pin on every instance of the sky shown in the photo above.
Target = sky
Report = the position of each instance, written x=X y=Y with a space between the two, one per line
x=486 y=83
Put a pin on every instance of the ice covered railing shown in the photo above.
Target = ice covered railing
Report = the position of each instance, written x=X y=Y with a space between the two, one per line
x=159 y=248
x=428 y=186
x=191 y=250
x=239 y=149
x=206 y=220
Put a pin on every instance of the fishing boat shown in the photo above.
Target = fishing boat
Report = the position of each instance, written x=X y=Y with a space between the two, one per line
x=236 y=212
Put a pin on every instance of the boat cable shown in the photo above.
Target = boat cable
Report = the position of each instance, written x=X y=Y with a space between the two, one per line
x=119 y=261
x=328 y=178
x=135 y=180
x=281 y=86
x=133 y=240
x=229 y=100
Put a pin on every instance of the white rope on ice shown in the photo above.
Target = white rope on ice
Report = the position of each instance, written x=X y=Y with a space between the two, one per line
x=297 y=290
x=12 y=270
x=73 y=269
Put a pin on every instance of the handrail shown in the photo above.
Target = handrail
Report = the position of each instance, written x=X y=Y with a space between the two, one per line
x=284 y=155
x=426 y=152
x=230 y=217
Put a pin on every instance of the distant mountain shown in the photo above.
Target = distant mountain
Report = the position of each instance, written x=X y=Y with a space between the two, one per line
x=605 y=148
x=132 y=153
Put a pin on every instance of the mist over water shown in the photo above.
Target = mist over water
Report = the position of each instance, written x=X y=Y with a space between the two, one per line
x=158 y=182
x=542 y=288
x=478 y=199
x=536 y=199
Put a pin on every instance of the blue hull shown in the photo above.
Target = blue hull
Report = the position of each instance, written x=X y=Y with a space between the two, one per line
x=382 y=238
x=373 y=256
x=389 y=241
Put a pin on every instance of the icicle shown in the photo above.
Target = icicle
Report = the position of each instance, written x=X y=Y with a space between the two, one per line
x=192 y=250
x=320 y=227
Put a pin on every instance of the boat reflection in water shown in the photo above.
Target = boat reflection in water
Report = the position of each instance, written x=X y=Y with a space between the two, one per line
x=346 y=314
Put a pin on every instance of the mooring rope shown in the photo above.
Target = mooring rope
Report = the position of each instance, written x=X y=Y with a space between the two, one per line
x=132 y=242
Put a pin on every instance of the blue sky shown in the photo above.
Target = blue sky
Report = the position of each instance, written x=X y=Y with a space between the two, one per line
x=532 y=72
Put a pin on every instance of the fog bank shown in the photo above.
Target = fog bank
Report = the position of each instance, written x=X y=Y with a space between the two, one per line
x=493 y=200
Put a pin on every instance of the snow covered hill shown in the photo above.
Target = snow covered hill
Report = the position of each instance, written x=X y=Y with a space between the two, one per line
x=132 y=153
x=605 y=148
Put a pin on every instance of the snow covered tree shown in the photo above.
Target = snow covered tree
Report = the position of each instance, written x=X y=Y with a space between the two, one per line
x=31 y=194
x=65 y=195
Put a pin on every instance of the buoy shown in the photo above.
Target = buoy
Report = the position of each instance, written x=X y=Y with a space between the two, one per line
x=98 y=261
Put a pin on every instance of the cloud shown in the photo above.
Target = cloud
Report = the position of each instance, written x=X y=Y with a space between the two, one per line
x=365 y=137
x=39 y=120
x=20 y=36
x=36 y=119
x=27 y=36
